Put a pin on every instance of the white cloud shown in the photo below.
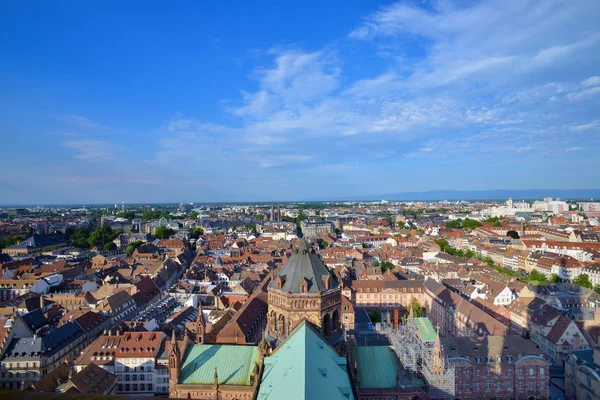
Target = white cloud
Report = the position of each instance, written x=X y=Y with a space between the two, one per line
x=77 y=121
x=90 y=150
x=591 y=81
x=570 y=149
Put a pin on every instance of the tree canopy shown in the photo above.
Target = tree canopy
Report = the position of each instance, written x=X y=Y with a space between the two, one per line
x=583 y=280
x=162 y=232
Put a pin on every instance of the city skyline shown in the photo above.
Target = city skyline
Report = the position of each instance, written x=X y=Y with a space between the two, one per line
x=296 y=101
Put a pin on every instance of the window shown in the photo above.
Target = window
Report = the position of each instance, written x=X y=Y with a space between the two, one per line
x=478 y=360
x=542 y=371
x=142 y=377
x=142 y=368
x=488 y=371
x=509 y=372
x=542 y=385
x=477 y=372
x=127 y=378
x=520 y=385
x=488 y=385
x=120 y=387
x=509 y=384
x=148 y=377
x=509 y=358
x=468 y=386
x=468 y=372
x=532 y=385
x=142 y=387
x=127 y=387
x=135 y=387
x=150 y=386
x=134 y=377
x=520 y=371
x=477 y=386
x=531 y=372
x=499 y=385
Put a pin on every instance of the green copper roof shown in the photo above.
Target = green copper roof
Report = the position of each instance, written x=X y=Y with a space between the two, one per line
x=234 y=364
x=305 y=366
x=425 y=329
x=377 y=367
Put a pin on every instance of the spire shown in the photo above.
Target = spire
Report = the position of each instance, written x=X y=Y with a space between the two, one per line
x=216 y=377
x=438 y=365
x=173 y=338
x=278 y=212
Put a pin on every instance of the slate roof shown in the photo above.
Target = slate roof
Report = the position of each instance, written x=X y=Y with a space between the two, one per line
x=31 y=348
x=305 y=366
x=35 y=319
x=40 y=241
x=234 y=364
x=304 y=264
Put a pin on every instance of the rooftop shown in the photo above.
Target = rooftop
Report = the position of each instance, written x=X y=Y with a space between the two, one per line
x=234 y=364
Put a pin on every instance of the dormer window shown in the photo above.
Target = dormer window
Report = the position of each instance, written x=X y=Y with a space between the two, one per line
x=304 y=286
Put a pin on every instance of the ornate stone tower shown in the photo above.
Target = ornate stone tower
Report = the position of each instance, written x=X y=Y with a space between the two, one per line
x=304 y=289
x=200 y=326
x=174 y=362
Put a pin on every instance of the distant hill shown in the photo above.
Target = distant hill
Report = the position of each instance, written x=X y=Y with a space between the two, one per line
x=502 y=194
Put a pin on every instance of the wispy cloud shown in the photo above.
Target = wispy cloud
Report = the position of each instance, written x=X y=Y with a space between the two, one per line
x=77 y=121
x=90 y=150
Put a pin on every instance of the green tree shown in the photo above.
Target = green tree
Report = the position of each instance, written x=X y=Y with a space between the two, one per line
x=109 y=246
x=132 y=246
x=324 y=244
x=386 y=265
x=126 y=214
x=597 y=289
x=78 y=237
x=537 y=276
x=554 y=278
x=376 y=263
x=471 y=223
x=193 y=214
x=497 y=223
x=162 y=232
x=583 y=280
x=375 y=316
x=195 y=233
x=416 y=307
x=12 y=240
x=455 y=224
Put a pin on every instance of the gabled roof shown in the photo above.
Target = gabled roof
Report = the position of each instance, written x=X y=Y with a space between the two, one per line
x=305 y=366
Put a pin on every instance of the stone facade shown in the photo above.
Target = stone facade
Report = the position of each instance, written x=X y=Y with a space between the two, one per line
x=287 y=310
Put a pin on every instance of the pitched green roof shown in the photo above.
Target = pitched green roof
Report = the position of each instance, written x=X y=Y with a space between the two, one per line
x=305 y=366
x=234 y=364
x=377 y=367
x=425 y=328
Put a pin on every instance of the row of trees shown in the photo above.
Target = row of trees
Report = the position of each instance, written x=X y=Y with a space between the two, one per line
x=86 y=237
x=467 y=223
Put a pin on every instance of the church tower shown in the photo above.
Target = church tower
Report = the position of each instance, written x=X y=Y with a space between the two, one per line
x=174 y=361
x=304 y=289
x=438 y=364
x=200 y=330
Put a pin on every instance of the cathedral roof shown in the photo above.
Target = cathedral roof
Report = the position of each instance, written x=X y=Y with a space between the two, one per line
x=304 y=266
x=305 y=366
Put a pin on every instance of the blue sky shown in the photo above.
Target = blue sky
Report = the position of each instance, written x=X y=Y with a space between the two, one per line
x=235 y=101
